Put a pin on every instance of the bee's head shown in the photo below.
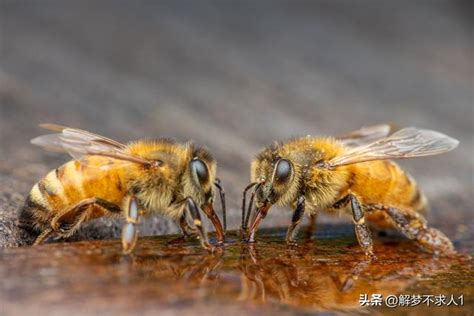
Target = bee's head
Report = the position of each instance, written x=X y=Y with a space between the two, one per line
x=275 y=182
x=199 y=181
x=276 y=177
x=199 y=177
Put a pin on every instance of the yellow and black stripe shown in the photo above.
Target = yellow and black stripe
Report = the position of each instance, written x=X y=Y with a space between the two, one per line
x=67 y=186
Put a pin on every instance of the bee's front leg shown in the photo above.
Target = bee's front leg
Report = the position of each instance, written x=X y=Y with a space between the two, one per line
x=211 y=214
x=295 y=220
x=130 y=229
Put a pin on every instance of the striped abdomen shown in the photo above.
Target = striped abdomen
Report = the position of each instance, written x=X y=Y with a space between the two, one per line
x=384 y=182
x=67 y=186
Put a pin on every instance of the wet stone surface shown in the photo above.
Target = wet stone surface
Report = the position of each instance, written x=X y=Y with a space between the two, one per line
x=325 y=274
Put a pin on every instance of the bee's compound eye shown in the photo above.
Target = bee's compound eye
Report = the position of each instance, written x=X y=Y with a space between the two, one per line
x=282 y=171
x=199 y=168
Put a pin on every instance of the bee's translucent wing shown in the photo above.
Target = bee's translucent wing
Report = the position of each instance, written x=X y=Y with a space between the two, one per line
x=406 y=143
x=81 y=134
x=50 y=142
x=79 y=143
x=364 y=135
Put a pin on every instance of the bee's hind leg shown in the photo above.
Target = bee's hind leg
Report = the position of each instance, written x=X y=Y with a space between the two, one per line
x=45 y=234
x=413 y=225
x=66 y=223
x=295 y=220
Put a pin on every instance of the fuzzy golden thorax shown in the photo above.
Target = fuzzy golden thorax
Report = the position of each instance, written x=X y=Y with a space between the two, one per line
x=162 y=188
x=305 y=177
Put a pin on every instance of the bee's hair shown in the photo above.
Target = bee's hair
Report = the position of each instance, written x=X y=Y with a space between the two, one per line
x=150 y=141
x=203 y=153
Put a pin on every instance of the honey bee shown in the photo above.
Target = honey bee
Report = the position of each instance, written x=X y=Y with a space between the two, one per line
x=313 y=174
x=107 y=178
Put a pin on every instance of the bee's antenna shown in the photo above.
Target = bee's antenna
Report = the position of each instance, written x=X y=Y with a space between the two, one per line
x=222 y=196
x=244 y=202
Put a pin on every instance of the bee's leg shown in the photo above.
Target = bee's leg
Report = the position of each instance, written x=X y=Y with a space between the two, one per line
x=196 y=216
x=243 y=227
x=130 y=229
x=185 y=228
x=295 y=220
x=223 y=205
x=211 y=214
x=66 y=223
x=361 y=229
x=342 y=202
x=43 y=236
x=413 y=225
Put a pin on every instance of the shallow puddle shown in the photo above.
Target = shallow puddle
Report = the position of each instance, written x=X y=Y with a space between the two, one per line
x=326 y=274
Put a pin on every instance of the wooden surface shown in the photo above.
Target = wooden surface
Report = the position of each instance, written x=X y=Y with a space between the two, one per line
x=235 y=76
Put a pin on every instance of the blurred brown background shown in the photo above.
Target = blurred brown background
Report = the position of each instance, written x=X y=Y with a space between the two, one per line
x=236 y=75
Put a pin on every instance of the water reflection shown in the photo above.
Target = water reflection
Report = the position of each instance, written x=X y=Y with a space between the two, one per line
x=335 y=284
x=322 y=275
x=312 y=276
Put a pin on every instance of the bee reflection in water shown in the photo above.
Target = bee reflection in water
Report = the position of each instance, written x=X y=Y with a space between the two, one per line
x=306 y=277
x=298 y=278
